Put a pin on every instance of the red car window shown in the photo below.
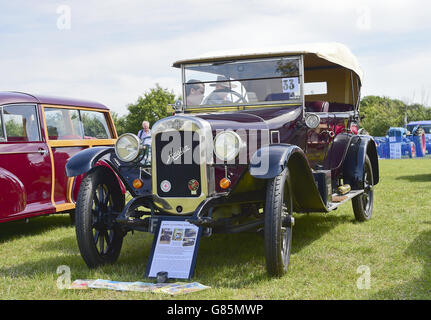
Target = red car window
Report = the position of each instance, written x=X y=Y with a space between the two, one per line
x=21 y=123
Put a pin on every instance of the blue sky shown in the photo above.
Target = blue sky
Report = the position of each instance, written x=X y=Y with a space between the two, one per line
x=116 y=50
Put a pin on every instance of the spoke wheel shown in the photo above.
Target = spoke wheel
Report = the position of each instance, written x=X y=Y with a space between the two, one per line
x=363 y=204
x=278 y=224
x=99 y=201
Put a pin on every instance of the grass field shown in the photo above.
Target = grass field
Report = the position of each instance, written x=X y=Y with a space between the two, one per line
x=327 y=251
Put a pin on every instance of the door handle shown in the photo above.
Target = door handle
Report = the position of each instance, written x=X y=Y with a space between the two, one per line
x=42 y=151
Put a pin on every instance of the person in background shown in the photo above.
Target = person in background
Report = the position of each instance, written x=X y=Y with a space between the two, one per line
x=195 y=91
x=145 y=133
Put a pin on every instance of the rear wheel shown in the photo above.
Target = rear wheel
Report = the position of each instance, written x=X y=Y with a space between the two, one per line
x=278 y=224
x=99 y=200
x=363 y=204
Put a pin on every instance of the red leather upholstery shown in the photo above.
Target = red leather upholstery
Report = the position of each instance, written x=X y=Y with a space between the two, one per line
x=340 y=107
x=316 y=106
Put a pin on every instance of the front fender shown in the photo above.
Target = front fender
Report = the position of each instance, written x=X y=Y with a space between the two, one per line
x=353 y=165
x=13 y=197
x=86 y=159
x=270 y=161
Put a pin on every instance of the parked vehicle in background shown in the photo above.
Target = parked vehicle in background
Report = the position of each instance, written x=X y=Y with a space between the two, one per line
x=396 y=144
x=261 y=135
x=38 y=134
x=421 y=130
x=401 y=142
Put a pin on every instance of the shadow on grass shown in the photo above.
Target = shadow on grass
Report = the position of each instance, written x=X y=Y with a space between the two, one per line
x=309 y=228
x=224 y=260
x=129 y=267
x=419 y=288
x=35 y=226
x=238 y=260
x=416 y=178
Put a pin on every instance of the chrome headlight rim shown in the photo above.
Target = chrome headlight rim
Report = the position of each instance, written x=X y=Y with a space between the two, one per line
x=132 y=156
x=312 y=120
x=241 y=145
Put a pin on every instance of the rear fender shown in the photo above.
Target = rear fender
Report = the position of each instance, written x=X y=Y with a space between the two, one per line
x=353 y=166
x=270 y=161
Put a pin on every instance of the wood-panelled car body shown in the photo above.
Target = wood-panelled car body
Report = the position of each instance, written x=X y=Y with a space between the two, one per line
x=38 y=135
x=260 y=135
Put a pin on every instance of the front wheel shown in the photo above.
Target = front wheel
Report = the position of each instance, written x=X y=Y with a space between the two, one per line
x=278 y=224
x=363 y=204
x=99 y=201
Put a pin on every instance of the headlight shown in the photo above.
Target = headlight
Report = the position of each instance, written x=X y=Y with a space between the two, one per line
x=227 y=145
x=312 y=120
x=128 y=147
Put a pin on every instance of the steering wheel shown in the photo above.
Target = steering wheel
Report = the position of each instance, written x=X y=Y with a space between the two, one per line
x=215 y=97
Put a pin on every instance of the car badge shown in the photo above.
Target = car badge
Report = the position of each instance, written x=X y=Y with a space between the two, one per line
x=165 y=185
x=174 y=155
x=193 y=186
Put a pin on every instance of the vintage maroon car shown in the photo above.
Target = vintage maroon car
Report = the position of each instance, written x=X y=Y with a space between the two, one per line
x=38 y=134
x=261 y=135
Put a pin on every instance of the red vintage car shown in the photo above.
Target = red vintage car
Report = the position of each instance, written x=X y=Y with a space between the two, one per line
x=38 y=134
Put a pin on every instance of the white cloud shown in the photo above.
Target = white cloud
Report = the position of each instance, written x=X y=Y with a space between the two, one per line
x=117 y=50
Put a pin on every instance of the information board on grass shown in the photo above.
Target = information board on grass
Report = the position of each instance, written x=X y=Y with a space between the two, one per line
x=174 y=249
x=395 y=150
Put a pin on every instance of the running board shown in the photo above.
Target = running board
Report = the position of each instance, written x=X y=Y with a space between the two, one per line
x=338 y=200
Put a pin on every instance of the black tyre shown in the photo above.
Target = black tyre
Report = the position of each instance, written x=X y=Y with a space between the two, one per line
x=278 y=224
x=99 y=237
x=363 y=204
x=72 y=217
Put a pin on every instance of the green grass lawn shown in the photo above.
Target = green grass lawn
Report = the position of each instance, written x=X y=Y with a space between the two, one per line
x=327 y=251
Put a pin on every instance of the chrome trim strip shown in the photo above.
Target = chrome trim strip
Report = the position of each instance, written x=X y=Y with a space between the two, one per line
x=301 y=79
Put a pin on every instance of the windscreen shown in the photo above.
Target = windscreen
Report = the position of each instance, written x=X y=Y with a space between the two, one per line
x=242 y=82
x=426 y=127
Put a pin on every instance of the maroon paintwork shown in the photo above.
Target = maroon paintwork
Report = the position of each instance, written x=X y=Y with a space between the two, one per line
x=26 y=167
x=321 y=148
x=20 y=97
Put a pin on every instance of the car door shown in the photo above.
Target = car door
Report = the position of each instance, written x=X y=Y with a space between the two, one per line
x=25 y=164
x=70 y=130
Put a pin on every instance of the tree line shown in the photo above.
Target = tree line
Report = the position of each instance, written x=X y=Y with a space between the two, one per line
x=377 y=113
x=380 y=113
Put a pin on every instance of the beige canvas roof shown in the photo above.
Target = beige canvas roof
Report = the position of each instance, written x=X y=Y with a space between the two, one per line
x=327 y=53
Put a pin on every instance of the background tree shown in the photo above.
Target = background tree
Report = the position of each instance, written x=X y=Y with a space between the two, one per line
x=380 y=113
x=150 y=107
x=120 y=123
